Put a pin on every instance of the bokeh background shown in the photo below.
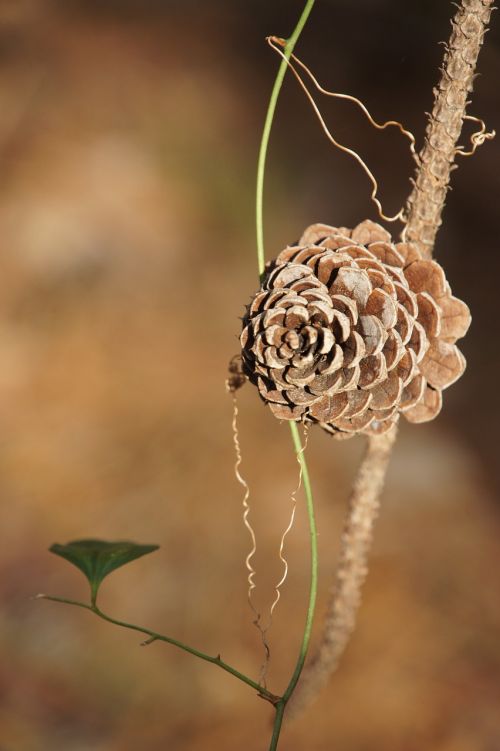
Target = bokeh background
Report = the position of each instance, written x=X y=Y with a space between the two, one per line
x=128 y=138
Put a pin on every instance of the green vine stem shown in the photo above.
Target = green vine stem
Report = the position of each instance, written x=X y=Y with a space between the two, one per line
x=352 y=569
x=154 y=636
x=261 y=166
x=279 y=702
x=313 y=589
x=261 y=163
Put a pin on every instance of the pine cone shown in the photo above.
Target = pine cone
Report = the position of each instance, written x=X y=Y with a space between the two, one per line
x=350 y=330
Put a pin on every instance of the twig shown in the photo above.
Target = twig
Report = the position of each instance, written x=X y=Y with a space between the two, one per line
x=425 y=206
x=426 y=201
x=154 y=636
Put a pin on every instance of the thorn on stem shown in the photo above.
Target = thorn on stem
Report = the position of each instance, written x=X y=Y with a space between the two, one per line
x=150 y=640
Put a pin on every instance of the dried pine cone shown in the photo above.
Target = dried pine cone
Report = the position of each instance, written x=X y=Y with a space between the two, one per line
x=349 y=330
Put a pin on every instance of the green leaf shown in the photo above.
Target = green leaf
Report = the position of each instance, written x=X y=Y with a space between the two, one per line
x=98 y=558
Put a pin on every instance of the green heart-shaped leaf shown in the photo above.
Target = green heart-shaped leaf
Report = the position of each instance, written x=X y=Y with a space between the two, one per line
x=98 y=558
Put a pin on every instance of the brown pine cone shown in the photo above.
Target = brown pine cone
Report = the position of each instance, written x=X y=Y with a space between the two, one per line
x=349 y=330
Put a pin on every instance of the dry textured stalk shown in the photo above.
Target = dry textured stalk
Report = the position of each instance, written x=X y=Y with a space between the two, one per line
x=425 y=206
x=426 y=201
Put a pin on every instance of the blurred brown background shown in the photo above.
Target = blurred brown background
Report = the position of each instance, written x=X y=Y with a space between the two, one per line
x=128 y=140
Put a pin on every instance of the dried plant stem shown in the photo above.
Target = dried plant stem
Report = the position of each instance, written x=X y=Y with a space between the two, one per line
x=426 y=201
x=425 y=206
x=351 y=571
